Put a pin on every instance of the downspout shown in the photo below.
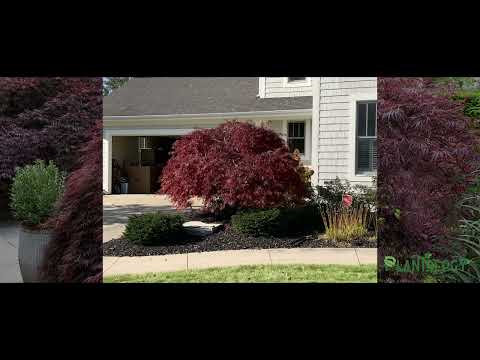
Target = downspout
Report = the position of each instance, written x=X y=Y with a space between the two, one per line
x=315 y=128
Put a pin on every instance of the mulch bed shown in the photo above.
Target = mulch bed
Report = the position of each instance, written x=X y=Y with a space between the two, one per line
x=227 y=239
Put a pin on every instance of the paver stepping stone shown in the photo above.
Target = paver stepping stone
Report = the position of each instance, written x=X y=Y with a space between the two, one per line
x=199 y=228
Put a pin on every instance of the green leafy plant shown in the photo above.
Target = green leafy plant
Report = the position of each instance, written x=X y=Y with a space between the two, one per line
x=257 y=223
x=468 y=241
x=465 y=240
x=461 y=82
x=34 y=192
x=472 y=106
x=301 y=219
x=332 y=192
x=154 y=229
x=472 y=102
x=278 y=221
x=346 y=223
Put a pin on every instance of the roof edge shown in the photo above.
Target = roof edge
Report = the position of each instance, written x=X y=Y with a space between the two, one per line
x=250 y=114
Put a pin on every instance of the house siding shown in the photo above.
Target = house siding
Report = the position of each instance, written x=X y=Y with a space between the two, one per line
x=274 y=88
x=336 y=126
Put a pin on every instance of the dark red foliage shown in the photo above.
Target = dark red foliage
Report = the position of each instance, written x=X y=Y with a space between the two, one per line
x=426 y=153
x=75 y=253
x=45 y=118
x=236 y=165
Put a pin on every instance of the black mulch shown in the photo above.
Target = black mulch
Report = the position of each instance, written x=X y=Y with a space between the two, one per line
x=227 y=239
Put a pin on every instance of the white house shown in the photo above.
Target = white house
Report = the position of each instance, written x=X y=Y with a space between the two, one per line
x=331 y=120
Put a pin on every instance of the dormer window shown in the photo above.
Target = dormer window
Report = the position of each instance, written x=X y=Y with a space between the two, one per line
x=293 y=79
x=297 y=82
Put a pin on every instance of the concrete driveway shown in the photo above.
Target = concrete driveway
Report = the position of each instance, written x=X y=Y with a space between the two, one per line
x=118 y=208
x=9 y=269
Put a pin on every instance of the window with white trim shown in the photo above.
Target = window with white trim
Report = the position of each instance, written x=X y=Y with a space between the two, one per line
x=296 y=137
x=294 y=82
x=293 y=79
x=366 y=154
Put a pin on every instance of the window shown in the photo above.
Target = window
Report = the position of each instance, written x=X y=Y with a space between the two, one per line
x=292 y=79
x=297 y=82
x=296 y=137
x=366 y=137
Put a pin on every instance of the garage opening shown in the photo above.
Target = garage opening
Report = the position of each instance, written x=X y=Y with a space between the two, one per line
x=138 y=161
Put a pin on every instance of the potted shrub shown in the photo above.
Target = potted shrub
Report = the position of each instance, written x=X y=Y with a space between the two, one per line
x=33 y=195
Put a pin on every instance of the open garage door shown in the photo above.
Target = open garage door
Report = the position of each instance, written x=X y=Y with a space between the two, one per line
x=138 y=161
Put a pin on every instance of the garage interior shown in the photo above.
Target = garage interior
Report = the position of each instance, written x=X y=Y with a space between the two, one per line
x=139 y=161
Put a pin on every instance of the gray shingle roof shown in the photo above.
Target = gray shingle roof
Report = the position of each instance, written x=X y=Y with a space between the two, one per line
x=194 y=95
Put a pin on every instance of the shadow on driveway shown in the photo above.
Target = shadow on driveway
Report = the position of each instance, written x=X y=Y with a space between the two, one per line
x=118 y=208
x=119 y=214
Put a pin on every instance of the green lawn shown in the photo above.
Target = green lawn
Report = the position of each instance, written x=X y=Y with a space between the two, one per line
x=259 y=273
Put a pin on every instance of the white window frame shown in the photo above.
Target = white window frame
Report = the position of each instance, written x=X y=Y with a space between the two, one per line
x=262 y=86
x=307 y=157
x=298 y=137
x=298 y=83
x=357 y=137
x=352 y=168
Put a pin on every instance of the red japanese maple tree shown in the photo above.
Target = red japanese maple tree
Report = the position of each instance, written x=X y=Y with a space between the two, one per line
x=426 y=156
x=46 y=118
x=235 y=165
x=75 y=252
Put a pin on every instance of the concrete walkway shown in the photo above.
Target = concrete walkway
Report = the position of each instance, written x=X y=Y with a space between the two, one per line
x=118 y=208
x=9 y=268
x=179 y=262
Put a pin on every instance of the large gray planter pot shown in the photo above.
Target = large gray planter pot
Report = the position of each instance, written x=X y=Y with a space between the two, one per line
x=31 y=252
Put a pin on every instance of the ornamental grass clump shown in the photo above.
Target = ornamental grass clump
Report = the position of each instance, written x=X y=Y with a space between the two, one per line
x=466 y=238
x=469 y=238
x=35 y=190
x=345 y=224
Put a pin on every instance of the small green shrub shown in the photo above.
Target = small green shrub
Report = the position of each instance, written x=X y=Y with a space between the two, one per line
x=257 y=223
x=154 y=229
x=34 y=192
x=278 y=221
x=331 y=194
x=301 y=219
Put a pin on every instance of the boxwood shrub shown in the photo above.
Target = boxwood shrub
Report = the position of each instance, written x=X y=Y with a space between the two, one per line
x=257 y=223
x=278 y=221
x=35 y=191
x=153 y=229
